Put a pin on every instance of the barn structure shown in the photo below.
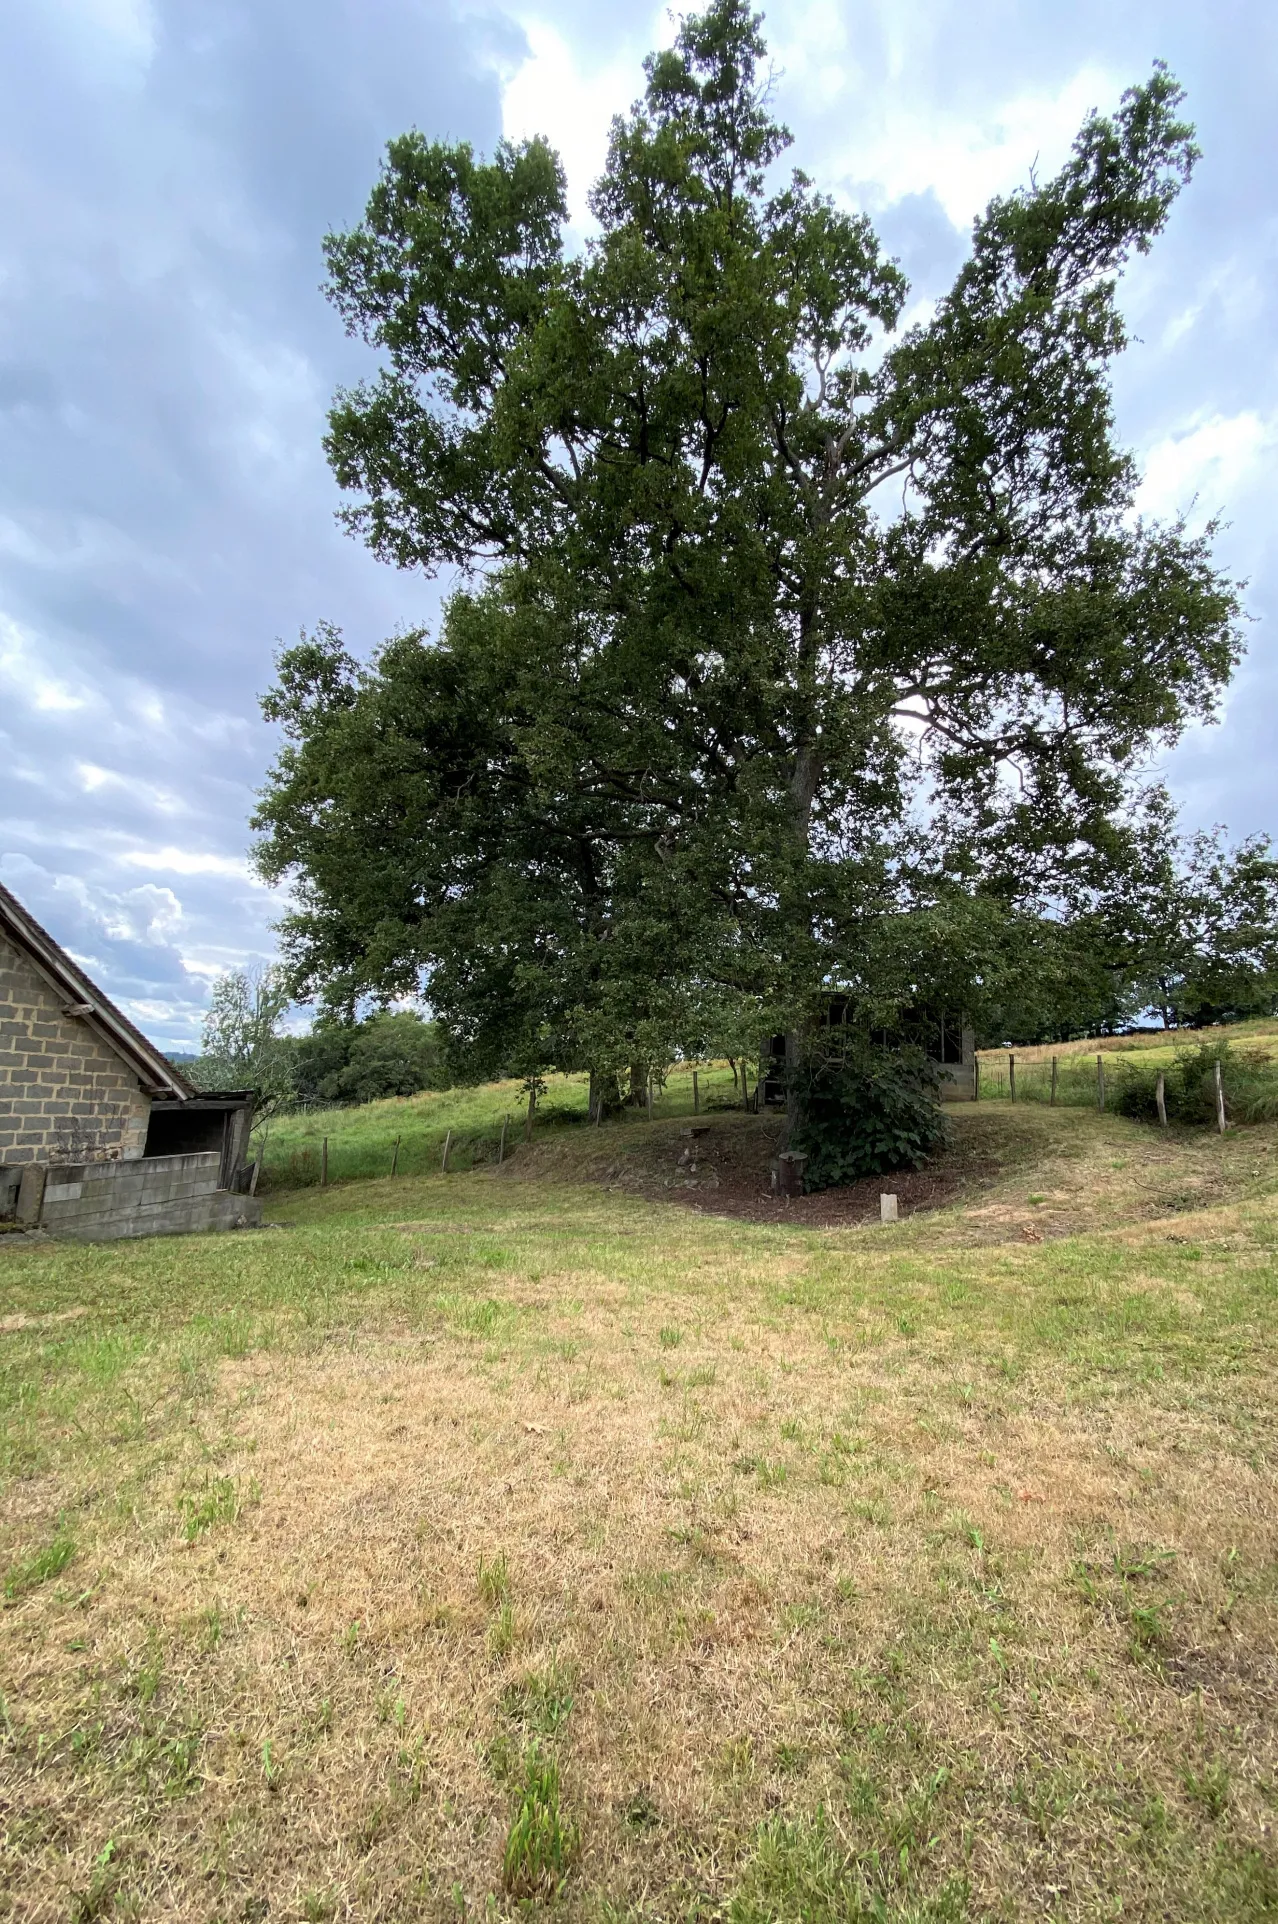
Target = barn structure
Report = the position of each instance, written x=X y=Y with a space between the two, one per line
x=948 y=1040
x=100 y=1135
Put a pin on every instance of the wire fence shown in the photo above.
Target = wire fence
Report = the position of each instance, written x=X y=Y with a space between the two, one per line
x=1070 y=1081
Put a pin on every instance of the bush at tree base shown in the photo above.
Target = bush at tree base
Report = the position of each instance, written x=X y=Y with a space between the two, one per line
x=1248 y=1077
x=867 y=1111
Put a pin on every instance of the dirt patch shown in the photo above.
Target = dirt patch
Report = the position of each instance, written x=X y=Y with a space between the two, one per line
x=739 y=1186
x=19 y=1321
x=722 y=1166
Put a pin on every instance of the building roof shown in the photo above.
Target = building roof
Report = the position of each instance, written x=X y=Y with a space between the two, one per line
x=82 y=999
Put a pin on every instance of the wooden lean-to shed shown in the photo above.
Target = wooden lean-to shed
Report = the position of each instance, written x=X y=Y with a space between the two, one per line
x=100 y=1135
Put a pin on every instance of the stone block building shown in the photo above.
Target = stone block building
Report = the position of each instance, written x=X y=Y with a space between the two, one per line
x=85 y=1099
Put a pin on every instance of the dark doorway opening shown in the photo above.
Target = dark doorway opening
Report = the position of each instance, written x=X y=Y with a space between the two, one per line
x=176 y=1130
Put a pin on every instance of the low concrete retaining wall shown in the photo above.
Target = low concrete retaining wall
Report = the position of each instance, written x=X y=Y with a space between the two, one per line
x=150 y=1196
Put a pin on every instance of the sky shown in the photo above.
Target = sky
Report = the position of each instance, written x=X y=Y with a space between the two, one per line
x=168 y=169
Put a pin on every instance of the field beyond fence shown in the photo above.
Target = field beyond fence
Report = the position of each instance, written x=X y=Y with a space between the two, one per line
x=1103 y=1063
x=362 y=1139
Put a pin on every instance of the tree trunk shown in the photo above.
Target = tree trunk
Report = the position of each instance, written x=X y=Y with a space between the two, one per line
x=603 y=1094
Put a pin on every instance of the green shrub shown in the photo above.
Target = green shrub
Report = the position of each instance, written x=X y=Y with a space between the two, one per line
x=867 y=1110
x=1249 y=1079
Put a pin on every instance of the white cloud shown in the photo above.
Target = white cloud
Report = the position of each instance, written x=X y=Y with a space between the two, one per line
x=1211 y=461
x=880 y=106
x=184 y=861
x=966 y=160
x=146 y=914
x=125 y=27
x=92 y=778
x=553 y=92
x=26 y=681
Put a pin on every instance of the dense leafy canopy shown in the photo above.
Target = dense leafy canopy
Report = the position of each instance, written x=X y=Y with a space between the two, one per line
x=391 y=1053
x=1190 y=926
x=792 y=653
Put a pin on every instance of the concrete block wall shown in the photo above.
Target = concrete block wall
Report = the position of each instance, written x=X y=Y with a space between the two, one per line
x=162 y=1196
x=65 y=1096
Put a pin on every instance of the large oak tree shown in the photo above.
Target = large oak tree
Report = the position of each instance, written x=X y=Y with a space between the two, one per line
x=790 y=651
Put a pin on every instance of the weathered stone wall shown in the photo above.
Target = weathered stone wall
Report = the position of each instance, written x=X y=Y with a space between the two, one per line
x=65 y=1096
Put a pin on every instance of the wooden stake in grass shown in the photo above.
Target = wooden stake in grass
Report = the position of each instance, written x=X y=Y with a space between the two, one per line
x=650 y=1098
x=448 y=1143
x=501 y=1146
x=395 y=1157
x=1160 y=1098
x=324 y=1164
x=1052 y=1099
x=976 y=1078
x=696 y=1095
x=1220 y=1101
x=257 y=1170
x=745 y=1088
x=1011 y=1076
x=532 y=1109
x=1100 y=1083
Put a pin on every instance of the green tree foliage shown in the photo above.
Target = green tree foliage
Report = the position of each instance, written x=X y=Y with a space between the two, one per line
x=389 y=1054
x=793 y=654
x=1190 y=924
x=242 y=1047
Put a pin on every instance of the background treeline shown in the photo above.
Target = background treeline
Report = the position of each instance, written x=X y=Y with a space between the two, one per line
x=387 y=1053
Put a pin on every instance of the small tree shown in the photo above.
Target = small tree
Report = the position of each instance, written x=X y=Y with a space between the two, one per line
x=242 y=1047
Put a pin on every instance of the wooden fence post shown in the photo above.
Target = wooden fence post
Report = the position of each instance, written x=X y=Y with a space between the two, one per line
x=448 y=1143
x=501 y=1146
x=1160 y=1098
x=1100 y=1082
x=257 y=1170
x=395 y=1157
x=1220 y=1101
x=1052 y=1101
x=976 y=1078
x=532 y=1105
x=745 y=1087
x=1011 y=1076
x=650 y=1095
x=696 y=1095
x=324 y=1164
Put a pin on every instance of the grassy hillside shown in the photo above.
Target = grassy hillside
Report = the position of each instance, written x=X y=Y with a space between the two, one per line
x=465 y=1539
x=1076 y=1061
x=361 y=1140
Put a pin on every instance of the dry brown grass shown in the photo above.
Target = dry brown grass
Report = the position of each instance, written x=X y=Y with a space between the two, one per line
x=875 y=1566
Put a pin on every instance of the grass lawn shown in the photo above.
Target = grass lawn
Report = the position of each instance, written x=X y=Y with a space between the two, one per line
x=471 y=1543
